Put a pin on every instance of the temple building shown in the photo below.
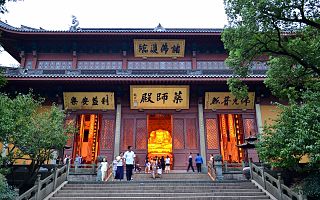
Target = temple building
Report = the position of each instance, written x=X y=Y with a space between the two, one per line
x=163 y=90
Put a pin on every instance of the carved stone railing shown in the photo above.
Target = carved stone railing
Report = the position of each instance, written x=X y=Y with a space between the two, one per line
x=232 y=167
x=83 y=169
x=44 y=187
x=273 y=185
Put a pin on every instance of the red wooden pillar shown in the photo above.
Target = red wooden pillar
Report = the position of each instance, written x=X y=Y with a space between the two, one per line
x=34 y=59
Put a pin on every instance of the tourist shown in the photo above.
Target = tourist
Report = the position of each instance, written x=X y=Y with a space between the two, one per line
x=99 y=172
x=104 y=168
x=167 y=168
x=129 y=157
x=163 y=164
x=119 y=173
x=114 y=167
x=159 y=168
x=190 y=162
x=77 y=162
x=147 y=166
x=154 y=168
x=199 y=162
x=66 y=160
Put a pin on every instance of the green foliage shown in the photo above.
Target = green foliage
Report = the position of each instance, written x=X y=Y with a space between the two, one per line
x=286 y=32
x=36 y=134
x=238 y=88
x=6 y=192
x=2 y=79
x=294 y=134
x=311 y=185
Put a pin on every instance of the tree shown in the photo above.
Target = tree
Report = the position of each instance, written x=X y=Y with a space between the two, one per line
x=286 y=35
x=6 y=192
x=284 y=31
x=295 y=134
x=2 y=5
x=2 y=79
x=26 y=131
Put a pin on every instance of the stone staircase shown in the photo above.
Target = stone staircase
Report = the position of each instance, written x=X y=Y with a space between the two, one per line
x=169 y=186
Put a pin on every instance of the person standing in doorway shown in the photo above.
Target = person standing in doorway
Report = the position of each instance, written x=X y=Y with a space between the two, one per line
x=114 y=167
x=167 y=168
x=129 y=157
x=190 y=162
x=163 y=164
x=104 y=168
x=77 y=163
x=119 y=173
x=199 y=162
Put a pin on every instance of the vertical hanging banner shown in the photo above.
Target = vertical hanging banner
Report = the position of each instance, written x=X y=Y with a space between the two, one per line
x=225 y=100
x=88 y=100
x=159 y=97
x=159 y=48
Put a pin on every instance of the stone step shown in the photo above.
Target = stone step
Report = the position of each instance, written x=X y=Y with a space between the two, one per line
x=157 y=182
x=165 y=198
x=106 y=186
x=163 y=188
x=155 y=195
x=195 y=190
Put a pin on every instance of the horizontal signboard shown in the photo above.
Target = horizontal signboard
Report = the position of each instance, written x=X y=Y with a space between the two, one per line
x=225 y=100
x=159 y=48
x=159 y=97
x=88 y=100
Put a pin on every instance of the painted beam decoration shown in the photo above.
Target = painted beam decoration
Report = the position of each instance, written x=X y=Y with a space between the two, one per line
x=225 y=100
x=159 y=97
x=88 y=100
x=159 y=48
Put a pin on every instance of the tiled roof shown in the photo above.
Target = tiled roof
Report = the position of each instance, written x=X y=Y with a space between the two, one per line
x=126 y=74
x=112 y=30
x=115 y=76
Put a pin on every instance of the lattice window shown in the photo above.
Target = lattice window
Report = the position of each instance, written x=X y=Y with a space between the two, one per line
x=212 y=134
x=128 y=125
x=141 y=134
x=249 y=127
x=191 y=134
x=182 y=65
x=98 y=65
x=54 y=64
x=178 y=134
x=29 y=64
x=107 y=134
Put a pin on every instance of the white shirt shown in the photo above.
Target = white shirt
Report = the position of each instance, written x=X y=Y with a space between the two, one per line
x=167 y=160
x=120 y=163
x=129 y=156
x=104 y=166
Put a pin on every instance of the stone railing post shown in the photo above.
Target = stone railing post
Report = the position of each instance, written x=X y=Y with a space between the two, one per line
x=251 y=170
x=218 y=167
x=55 y=177
x=68 y=170
x=280 y=188
x=39 y=186
x=263 y=177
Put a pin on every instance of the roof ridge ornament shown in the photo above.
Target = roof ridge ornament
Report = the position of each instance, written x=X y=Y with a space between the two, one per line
x=159 y=28
x=75 y=24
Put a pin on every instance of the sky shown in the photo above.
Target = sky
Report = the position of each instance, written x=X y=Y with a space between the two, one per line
x=56 y=15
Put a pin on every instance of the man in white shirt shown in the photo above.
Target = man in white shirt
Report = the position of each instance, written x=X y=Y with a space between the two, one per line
x=129 y=157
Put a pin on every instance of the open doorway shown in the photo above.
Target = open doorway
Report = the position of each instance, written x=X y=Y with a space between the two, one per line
x=160 y=136
x=86 y=140
x=231 y=135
